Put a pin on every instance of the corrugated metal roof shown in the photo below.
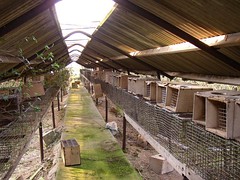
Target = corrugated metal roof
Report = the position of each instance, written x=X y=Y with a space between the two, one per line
x=38 y=34
x=130 y=31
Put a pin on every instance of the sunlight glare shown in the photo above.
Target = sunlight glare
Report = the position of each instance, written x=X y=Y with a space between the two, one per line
x=83 y=15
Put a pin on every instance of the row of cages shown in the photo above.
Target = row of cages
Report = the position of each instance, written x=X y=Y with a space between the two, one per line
x=17 y=129
x=209 y=155
x=218 y=111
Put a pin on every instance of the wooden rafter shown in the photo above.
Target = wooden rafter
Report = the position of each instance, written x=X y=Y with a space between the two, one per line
x=178 y=32
x=218 y=42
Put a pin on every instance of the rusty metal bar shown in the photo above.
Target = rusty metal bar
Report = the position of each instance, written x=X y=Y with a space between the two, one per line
x=61 y=92
x=58 y=100
x=96 y=101
x=124 y=134
x=41 y=141
x=53 y=115
x=106 y=109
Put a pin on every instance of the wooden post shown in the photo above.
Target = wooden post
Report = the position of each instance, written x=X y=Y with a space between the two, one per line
x=53 y=115
x=124 y=134
x=106 y=109
x=58 y=102
x=41 y=142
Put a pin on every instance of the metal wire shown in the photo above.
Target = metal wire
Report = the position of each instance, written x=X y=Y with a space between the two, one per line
x=173 y=102
x=164 y=94
x=222 y=116
x=208 y=155
x=15 y=135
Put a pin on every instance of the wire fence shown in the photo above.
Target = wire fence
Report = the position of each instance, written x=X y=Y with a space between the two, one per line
x=16 y=135
x=208 y=155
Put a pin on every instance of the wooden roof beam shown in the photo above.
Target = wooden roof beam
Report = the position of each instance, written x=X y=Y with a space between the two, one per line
x=208 y=78
x=217 y=41
x=9 y=59
x=178 y=32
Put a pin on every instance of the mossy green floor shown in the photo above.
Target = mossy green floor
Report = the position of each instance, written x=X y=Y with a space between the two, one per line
x=101 y=156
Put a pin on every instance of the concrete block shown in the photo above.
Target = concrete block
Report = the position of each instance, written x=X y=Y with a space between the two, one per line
x=49 y=137
x=159 y=164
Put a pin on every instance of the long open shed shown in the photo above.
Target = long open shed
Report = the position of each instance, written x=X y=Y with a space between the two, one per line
x=190 y=39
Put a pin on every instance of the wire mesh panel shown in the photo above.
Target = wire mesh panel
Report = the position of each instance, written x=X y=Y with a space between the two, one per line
x=164 y=94
x=174 y=96
x=222 y=116
x=18 y=133
x=208 y=155
x=147 y=90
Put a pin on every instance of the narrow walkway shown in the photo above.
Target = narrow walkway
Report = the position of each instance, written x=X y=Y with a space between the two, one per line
x=101 y=156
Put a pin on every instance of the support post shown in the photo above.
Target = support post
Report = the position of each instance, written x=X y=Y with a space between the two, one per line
x=92 y=89
x=96 y=101
x=61 y=95
x=53 y=115
x=58 y=101
x=106 y=109
x=124 y=134
x=41 y=142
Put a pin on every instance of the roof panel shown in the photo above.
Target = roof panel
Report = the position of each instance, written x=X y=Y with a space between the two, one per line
x=130 y=32
x=32 y=37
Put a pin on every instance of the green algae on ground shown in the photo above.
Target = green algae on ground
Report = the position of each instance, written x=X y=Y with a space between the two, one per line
x=101 y=156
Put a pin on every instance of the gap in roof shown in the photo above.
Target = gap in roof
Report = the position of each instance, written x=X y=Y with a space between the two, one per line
x=83 y=15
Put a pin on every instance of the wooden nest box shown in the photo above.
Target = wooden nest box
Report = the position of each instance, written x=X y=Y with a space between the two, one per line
x=137 y=85
x=33 y=89
x=150 y=90
x=222 y=116
x=200 y=103
x=161 y=93
x=97 y=91
x=180 y=97
x=70 y=152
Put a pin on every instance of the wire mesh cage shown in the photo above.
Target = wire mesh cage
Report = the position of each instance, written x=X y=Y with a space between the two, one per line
x=207 y=154
x=16 y=135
